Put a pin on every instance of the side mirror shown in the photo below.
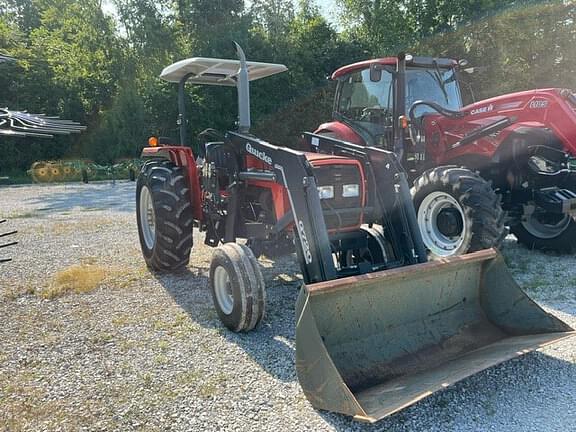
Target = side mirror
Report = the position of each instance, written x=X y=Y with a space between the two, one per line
x=375 y=72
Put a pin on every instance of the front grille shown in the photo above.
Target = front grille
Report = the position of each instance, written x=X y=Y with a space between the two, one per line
x=340 y=212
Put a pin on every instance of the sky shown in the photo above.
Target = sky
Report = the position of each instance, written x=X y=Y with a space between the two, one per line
x=327 y=8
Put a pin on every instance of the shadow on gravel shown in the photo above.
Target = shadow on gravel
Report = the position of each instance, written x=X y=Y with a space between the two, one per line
x=117 y=196
x=271 y=345
x=532 y=392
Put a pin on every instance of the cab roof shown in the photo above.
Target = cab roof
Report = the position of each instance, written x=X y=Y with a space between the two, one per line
x=213 y=71
x=391 y=61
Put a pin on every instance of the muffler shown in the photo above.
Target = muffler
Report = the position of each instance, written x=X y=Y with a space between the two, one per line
x=368 y=346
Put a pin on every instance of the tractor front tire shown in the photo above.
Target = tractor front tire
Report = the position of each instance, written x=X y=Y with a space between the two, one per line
x=237 y=287
x=164 y=215
x=457 y=211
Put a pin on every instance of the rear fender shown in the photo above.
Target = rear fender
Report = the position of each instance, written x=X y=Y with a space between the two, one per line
x=517 y=142
x=183 y=157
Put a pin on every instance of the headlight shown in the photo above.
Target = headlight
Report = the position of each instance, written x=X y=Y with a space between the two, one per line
x=350 y=190
x=326 y=192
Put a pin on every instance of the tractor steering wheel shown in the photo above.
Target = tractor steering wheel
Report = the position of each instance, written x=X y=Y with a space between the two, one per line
x=368 y=112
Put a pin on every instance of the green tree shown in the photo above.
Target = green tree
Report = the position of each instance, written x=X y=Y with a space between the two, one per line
x=388 y=26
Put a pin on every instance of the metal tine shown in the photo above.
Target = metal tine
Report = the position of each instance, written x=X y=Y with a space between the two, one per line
x=8 y=233
x=45 y=130
x=21 y=124
x=3 y=260
x=24 y=134
x=46 y=121
x=52 y=123
x=8 y=244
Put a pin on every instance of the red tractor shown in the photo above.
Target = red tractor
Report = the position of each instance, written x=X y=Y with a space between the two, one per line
x=377 y=326
x=508 y=160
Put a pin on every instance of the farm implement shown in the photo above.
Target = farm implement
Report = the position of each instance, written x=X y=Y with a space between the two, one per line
x=378 y=327
x=6 y=241
x=76 y=170
x=20 y=124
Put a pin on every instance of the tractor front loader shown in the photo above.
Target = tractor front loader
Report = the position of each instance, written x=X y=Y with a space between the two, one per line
x=378 y=327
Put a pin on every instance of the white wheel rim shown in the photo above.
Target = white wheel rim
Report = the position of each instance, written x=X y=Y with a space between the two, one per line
x=223 y=290
x=436 y=242
x=147 y=217
x=543 y=230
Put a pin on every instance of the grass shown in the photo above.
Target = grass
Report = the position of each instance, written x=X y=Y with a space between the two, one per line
x=161 y=359
x=77 y=279
x=212 y=386
x=25 y=215
x=147 y=380
x=85 y=277
x=188 y=378
x=102 y=338
x=15 y=291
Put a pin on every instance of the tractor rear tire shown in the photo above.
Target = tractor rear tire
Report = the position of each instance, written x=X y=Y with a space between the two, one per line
x=458 y=212
x=237 y=287
x=164 y=215
x=560 y=237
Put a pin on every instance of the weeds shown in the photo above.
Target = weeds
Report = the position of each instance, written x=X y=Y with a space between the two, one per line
x=14 y=292
x=77 y=279
x=212 y=386
x=188 y=377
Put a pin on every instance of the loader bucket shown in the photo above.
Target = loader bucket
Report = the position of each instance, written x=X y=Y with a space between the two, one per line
x=371 y=345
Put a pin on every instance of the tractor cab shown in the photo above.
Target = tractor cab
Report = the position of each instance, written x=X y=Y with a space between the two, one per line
x=368 y=92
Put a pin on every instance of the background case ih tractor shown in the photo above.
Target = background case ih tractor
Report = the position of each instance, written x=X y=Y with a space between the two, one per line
x=520 y=145
x=378 y=327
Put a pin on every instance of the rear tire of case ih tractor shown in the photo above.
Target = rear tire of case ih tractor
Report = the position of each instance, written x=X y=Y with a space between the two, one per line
x=458 y=212
x=556 y=234
x=237 y=287
x=164 y=215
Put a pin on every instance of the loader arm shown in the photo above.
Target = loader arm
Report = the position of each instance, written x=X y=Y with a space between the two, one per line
x=388 y=188
x=292 y=170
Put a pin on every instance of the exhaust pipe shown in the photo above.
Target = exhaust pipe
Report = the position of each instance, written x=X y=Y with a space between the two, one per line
x=243 y=86
x=400 y=106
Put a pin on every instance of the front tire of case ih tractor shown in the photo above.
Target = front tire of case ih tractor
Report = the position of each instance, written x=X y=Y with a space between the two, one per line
x=545 y=231
x=237 y=287
x=164 y=215
x=458 y=212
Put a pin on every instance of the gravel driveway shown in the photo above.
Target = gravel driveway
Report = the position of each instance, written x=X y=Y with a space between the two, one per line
x=147 y=352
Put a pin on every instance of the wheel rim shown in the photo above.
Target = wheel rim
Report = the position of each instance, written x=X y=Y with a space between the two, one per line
x=541 y=229
x=440 y=240
x=223 y=290
x=147 y=217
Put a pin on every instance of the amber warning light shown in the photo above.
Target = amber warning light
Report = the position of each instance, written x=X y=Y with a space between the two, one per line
x=153 y=141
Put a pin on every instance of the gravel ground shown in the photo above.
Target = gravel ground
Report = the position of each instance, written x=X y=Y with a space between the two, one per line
x=147 y=352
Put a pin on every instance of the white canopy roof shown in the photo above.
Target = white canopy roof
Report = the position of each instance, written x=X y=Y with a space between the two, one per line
x=217 y=71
